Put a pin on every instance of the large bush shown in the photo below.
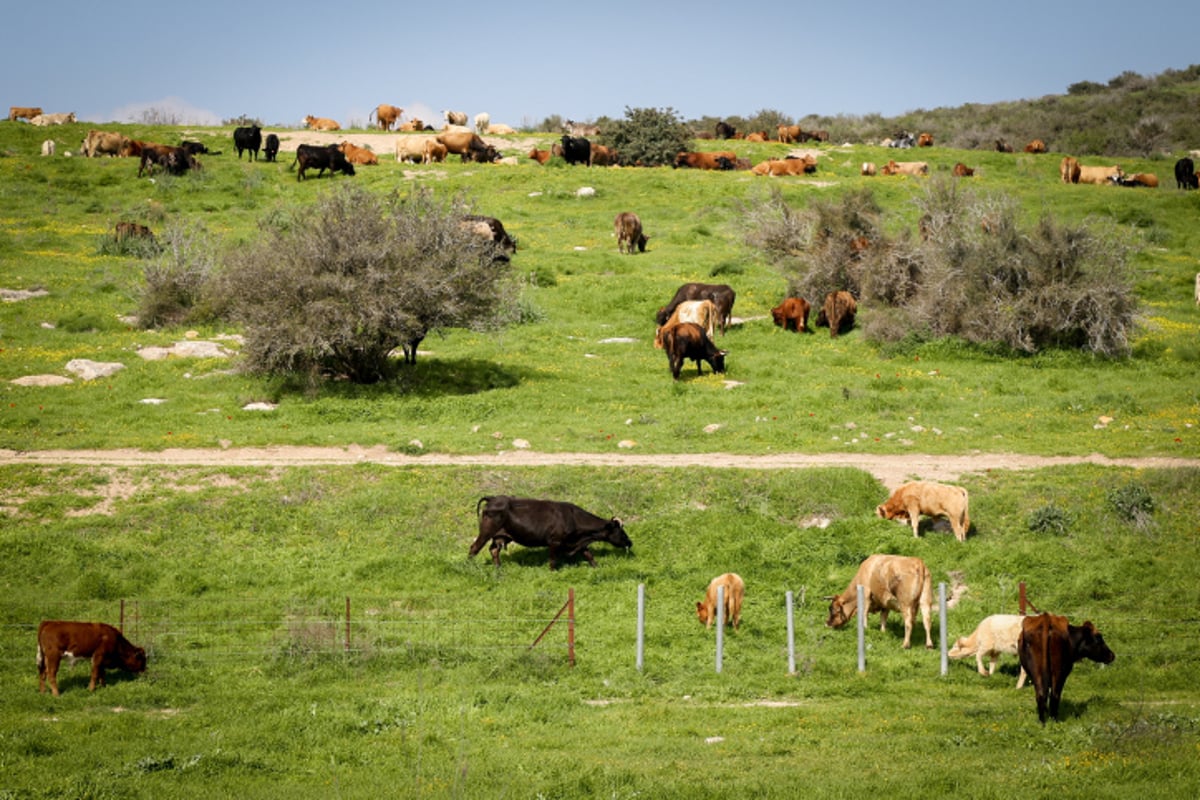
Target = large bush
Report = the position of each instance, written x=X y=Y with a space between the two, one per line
x=649 y=137
x=343 y=283
x=974 y=272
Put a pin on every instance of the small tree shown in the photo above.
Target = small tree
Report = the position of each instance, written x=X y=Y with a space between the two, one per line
x=357 y=276
x=179 y=275
x=651 y=137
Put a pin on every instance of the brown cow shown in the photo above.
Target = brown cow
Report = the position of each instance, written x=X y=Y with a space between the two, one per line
x=321 y=123
x=890 y=583
x=1146 y=179
x=358 y=155
x=411 y=126
x=23 y=112
x=837 y=312
x=603 y=156
x=1068 y=170
x=386 y=115
x=792 y=314
x=786 y=166
x=1099 y=176
x=1049 y=647
x=435 y=151
x=702 y=312
x=758 y=136
x=961 y=170
x=925 y=140
x=1036 y=146
x=688 y=340
x=913 y=499
x=540 y=156
x=790 y=133
x=131 y=230
x=722 y=295
x=465 y=144
x=724 y=159
x=735 y=590
x=106 y=646
x=628 y=228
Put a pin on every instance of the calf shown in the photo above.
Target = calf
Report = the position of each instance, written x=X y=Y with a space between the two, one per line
x=321 y=158
x=735 y=590
x=993 y=636
x=722 y=296
x=1146 y=179
x=688 y=340
x=890 y=583
x=1049 y=647
x=271 y=147
x=106 y=646
x=628 y=229
x=434 y=152
x=564 y=528
x=248 y=139
x=913 y=499
x=702 y=312
x=1185 y=174
x=837 y=313
x=540 y=156
x=961 y=170
x=792 y=314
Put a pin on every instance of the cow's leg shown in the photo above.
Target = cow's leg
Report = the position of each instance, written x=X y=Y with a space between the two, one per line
x=487 y=530
x=925 y=614
x=1021 y=678
x=914 y=518
x=587 y=553
x=908 y=615
x=979 y=662
x=883 y=615
x=97 y=669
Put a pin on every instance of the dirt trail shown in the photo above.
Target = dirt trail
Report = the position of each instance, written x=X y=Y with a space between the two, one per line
x=891 y=470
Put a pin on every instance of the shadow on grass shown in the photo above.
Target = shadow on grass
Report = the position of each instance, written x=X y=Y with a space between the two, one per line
x=431 y=378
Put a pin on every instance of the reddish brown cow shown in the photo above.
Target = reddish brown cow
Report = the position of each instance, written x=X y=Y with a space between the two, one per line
x=131 y=230
x=106 y=646
x=1049 y=647
x=23 y=112
x=386 y=115
x=540 y=156
x=890 y=583
x=603 y=156
x=688 y=340
x=1036 y=146
x=628 y=228
x=725 y=159
x=837 y=313
x=358 y=155
x=792 y=314
x=735 y=591
x=925 y=140
x=961 y=170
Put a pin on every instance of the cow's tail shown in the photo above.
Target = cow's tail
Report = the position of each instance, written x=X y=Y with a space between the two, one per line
x=41 y=659
x=479 y=505
x=965 y=520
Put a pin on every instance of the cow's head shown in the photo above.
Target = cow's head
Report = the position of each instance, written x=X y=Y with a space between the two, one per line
x=614 y=534
x=839 y=612
x=1088 y=643
x=135 y=660
x=718 y=361
x=641 y=242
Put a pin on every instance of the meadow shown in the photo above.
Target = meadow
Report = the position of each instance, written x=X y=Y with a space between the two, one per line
x=236 y=579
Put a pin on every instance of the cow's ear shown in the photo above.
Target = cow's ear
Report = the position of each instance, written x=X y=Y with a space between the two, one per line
x=618 y=522
x=723 y=352
x=829 y=597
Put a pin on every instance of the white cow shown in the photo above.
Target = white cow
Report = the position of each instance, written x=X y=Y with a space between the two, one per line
x=993 y=636
x=482 y=120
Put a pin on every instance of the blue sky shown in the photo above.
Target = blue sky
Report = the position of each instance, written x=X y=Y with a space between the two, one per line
x=522 y=61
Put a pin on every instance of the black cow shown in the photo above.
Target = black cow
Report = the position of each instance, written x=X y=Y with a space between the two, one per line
x=725 y=130
x=565 y=528
x=688 y=340
x=721 y=295
x=479 y=152
x=194 y=148
x=1185 y=174
x=321 y=158
x=576 y=150
x=174 y=160
x=249 y=139
x=271 y=148
x=1049 y=647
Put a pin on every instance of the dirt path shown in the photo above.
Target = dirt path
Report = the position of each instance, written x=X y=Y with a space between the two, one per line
x=891 y=470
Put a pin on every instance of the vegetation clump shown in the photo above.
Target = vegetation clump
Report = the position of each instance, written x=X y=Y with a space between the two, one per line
x=1133 y=504
x=1050 y=519
x=649 y=137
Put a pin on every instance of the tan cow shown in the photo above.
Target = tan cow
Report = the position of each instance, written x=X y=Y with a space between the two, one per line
x=104 y=143
x=358 y=155
x=912 y=500
x=23 y=112
x=701 y=312
x=627 y=226
x=790 y=133
x=455 y=117
x=42 y=120
x=386 y=115
x=1036 y=146
x=321 y=123
x=868 y=168
x=435 y=152
x=906 y=168
x=994 y=636
x=890 y=583
x=735 y=590
x=411 y=148
x=1099 y=176
x=1068 y=170
x=412 y=126
x=786 y=166
x=837 y=312
x=757 y=136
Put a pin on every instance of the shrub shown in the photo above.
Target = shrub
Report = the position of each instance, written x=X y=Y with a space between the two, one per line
x=651 y=137
x=179 y=279
x=1050 y=519
x=1132 y=503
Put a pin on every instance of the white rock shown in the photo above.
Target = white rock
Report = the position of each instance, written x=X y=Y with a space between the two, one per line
x=89 y=370
x=41 y=380
x=152 y=401
x=585 y=191
x=520 y=444
x=260 y=407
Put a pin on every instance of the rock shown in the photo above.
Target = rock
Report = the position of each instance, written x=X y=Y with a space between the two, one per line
x=89 y=370
x=260 y=406
x=41 y=380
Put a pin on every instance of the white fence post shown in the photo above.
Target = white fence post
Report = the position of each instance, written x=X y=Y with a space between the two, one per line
x=862 y=631
x=791 y=635
x=641 y=626
x=942 y=627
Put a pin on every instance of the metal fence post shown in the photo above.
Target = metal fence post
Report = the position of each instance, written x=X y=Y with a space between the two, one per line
x=791 y=635
x=862 y=631
x=641 y=625
x=942 y=627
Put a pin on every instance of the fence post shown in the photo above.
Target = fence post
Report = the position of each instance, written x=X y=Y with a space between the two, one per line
x=862 y=631
x=942 y=627
x=1021 y=596
x=641 y=625
x=720 y=626
x=571 y=625
x=347 y=647
x=121 y=625
x=791 y=635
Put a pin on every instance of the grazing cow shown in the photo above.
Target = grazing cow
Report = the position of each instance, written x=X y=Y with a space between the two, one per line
x=491 y=229
x=358 y=155
x=1146 y=179
x=792 y=314
x=248 y=139
x=1099 y=176
x=104 y=644
x=321 y=158
x=628 y=228
x=576 y=150
x=688 y=340
x=789 y=133
x=913 y=499
x=868 y=168
x=321 y=123
x=735 y=590
x=1049 y=647
x=455 y=117
x=1068 y=170
x=565 y=528
x=603 y=156
x=725 y=131
x=104 y=143
x=702 y=312
x=725 y=160
x=906 y=168
x=1036 y=146
x=386 y=115
x=994 y=636
x=925 y=140
x=1185 y=174
x=837 y=313
x=174 y=160
x=467 y=145
x=23 y=112
x=271 y=147
x=53 y=119
x=1003 y=146
x=540 y=156
x=482 y=121
x=890 y=583
x=961 y=170
x=722 y=296
x=131 y=230
x=412 y=148
x=48 y=147
x=435 y=152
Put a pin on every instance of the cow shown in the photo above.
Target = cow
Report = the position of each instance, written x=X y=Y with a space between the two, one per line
x=412 y=148
x=758 y=136
x=735 y=591
x=723 y=297
x=688 y=340
x=321 y=158
x=819 y=136
x=271 y=147
x=105 y=645
x=725 y=131
x=837 y=312
x=491 y=229
x=994 y=636
x=386 y=115
x=467 y=145
x=1036 y=146
x=906 y=168
x=248 y=139
x=603 y=156
x=131 y=230
x=104 y=143
x=1185 y=174
x=576 y=150
x=902 y=140
x=482 y=121
x=913 y=499
x=786 y=166
x=321 y=123
x=358 y=155
x=890 y=583
x=868 y=168
x=23 y=112
x=723 y=160
x=1099 y=176
x=455 y=117
x=1003 y=147
x=564 y=528
x=1068 y=170
x=1146 y=179
x=434 y=151
x=925 y=140
x=702 y=312
x=195 y=148
x=411 y=126
x=789 y=133
x=1049 y=647
x=627 y=227
x=500 y=129
x=540 y=156
x=174 y=160
x=48 y=147
x=961 y=170
x=792 y=314
x=42 y=120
